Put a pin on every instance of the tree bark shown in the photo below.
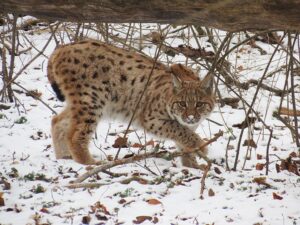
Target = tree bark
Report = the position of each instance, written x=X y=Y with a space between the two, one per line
x=230 y=15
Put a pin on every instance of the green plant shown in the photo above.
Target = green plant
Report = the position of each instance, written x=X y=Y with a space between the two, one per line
x=21 y=120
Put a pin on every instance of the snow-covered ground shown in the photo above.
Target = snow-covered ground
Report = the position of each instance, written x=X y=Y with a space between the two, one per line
x=32 y=184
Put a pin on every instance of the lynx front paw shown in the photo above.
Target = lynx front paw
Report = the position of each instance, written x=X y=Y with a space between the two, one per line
x=190 y=160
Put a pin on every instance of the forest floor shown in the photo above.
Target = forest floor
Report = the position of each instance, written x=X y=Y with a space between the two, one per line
x=152 y=191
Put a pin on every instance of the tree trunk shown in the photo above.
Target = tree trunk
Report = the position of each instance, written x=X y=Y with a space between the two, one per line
x=230 y=15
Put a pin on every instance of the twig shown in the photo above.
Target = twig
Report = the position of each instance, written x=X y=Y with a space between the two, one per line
x=135 y=158
x=35 y=97
x=86 y=185
x=291 y=64
x=252 y=104
x=202 y=182
x=141 y=96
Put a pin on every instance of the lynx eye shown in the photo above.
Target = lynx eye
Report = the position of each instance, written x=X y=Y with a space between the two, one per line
x=200 y=104
x=182 y=104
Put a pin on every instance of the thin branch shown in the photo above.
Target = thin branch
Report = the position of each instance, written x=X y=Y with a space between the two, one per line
x=168 y=155
x=141 y=96
x=252 y=104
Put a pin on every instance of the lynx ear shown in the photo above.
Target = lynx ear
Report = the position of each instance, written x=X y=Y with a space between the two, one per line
x=177 y=83
x=183 y=73
x=208 y=83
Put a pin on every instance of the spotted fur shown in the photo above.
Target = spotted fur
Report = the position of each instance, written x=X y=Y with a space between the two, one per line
x=98 y=80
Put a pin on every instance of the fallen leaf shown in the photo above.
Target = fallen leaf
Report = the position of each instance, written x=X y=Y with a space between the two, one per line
x=34 y=93
x=101 y=207
x=211 y=192
x=141 y=219
x=153 y=201
x=290 y=165
x=1 y=199
x=293 y=154
x=44 y=210
x=155 y=220
x=122 y=201
x=120 y=142
x=258 y=156
x=276 y=196
x=151 y=142
x=245 y=123
x=240 y=68
x=101 y=217
x=156 y=37
x=277 y=166
x=195 y=53
x=128 y=155
x=259 y=166
x=137 y=145
x=233 y=102
x=217 y=170
x=86 y=219
x=250 y=143
x=261 y=181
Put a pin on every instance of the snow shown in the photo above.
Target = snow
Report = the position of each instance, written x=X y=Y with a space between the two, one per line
x=26 y=148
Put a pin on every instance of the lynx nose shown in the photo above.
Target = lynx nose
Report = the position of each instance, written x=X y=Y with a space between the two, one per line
x=191 y=117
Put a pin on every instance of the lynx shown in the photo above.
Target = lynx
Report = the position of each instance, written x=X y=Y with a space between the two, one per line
x=99 y=80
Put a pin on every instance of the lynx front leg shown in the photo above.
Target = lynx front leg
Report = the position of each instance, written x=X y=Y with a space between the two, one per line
x=59 y=129
x=185 y=138
x=190 y=160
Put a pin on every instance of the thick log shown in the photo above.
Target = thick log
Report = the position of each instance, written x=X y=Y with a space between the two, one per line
x=230 y=15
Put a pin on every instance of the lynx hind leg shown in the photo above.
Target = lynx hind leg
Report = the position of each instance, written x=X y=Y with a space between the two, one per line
x=82 y=126
x=60 y=125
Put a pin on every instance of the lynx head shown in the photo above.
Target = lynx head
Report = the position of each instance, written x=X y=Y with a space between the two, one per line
x=193 y=99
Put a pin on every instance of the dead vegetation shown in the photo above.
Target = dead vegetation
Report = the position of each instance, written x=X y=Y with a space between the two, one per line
x=206 y=50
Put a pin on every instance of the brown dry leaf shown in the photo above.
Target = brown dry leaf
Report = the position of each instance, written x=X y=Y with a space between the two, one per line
x=137 y=145
x=276 y=196
x=293 y=154
x=261 y=181
x=141 y=219
x=2 y=203
x=156 y=37
x=86 y=219
x=240 y=68
x=153 y=201
x=259 y=166
x=217 y=170
x=233 y=102
x=101 y=207
x=258 y=156
x=122 y=201
x=151 y=142
x=277 y=166
x=128 y=155
x=250 y=143
x=290 y=165
x=142 y=181
x=211 y=192
x=44 y=210
x=195 y=53
x=245 y=123
x=34 y=93
x=155 y=220
x=120 y=142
